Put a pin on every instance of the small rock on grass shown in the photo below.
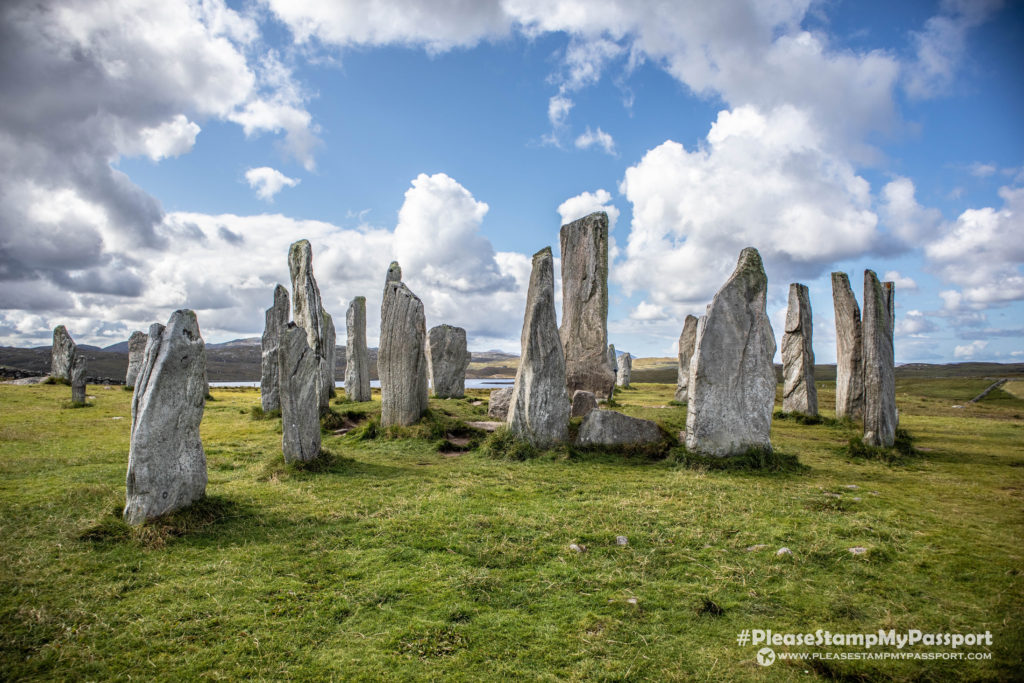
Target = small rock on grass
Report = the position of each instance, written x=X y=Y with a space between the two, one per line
x=852 y=487
x=632 y=601
x=578 y=548
x=621 y=540
x=783 y=551
x=831 y=495
x=857 y=550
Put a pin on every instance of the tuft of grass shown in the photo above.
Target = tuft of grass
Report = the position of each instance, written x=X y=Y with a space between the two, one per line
x=754 y=459
x=71 y=405
x=125 y=387
x=501 y=444
x=257 y=413
x=902 y=449
x=57 y=380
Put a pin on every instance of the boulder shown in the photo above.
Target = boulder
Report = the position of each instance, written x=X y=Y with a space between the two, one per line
x=799 y=395
x=136 y=355
x=687 y=339
x=298 y=369
x=357 y=359
x=276 y=319
x=78 y=366
x=539 y=409
x=401 y=361
x=879 y=363
x=62 y=354
x=447 y=360
x=166 y=461
x=622 y=377
x=584 y=330
x=731 y=390
x=611 y=428
x=849 y=363
x=308 y=312
x=583 y=403
x=497 y=406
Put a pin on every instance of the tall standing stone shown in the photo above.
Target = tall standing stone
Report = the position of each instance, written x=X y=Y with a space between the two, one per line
x=78 y=379
x=732 y=377
x=401 y=361
x=62 y=354
x=849 y=363
x=136 y=356
x=799 y=394
x=308 y=313
x=357 y=359
x=298 y=369
x=687 y=340
x=276 y=319
x=447 y=360
x=879 y=363
x=613 y=359
x=166 y=461
x=539 y=410
x=584 y=330
x=330 y=348
x=623 y=376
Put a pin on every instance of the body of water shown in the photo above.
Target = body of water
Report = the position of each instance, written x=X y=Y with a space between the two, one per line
x=470 y=384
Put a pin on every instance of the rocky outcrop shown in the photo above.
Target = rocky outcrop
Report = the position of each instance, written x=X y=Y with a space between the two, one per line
x=298 y=369
x=275 y=320
x=447 y=360
x=357 y=359
x=308 y=313
x=622 y=377
x=401 y=361
x=584 y=330
x=136 y=355
x=539 y=410
x=166 y=461
x=849 y=363
x=732 y=379
x=610 y=428
x=78 y=367
x=62 y=354
x=497 y=405
x=879 y=363
x=583 y=403
x=799 y=394
x=687 y=340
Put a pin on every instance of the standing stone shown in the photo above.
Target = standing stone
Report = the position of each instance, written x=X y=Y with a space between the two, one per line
x=166 y=461
x=497 y=404
x=276 y=319
x=62 y=354
x=849 y=363
x=394 y=274
x=687 y=339
x=447 y=360
x=799 y=395
x=401 y=361
x=298 y=369
x=78 y=379
x=584 y=330
x=613 y=359
x=583 y=403
x=879 y=363
x=357 y=359
x=136 y=356
x=732 y=378
x=622 y=377
x=330 y=347
x=539 y=409
x=308 y=312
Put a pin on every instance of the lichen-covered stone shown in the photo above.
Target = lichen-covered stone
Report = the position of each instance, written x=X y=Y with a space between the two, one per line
x=136 y=356
x=880 y=418
x=299 y=371
x=401 y=361
x=62 y=354
x=799 y=394
x=584 y=330
x=687 y=340
x=623 y=376
x=610 y=428
x=539 y=410
x=166 y=461
x=497 y=405
x=849 y=361
x=330 y=348
x=308 y=313
x=357 y=359
x=731 y=389
x=583 y=402
x=613 y=359
x=275 y=320
x=78 y=366
x=447 y=360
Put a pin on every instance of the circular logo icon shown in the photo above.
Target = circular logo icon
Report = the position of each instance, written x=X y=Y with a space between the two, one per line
x=766 y=656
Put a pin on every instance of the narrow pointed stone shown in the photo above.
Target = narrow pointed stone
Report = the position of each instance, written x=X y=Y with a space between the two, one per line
x=687 y=339
x=799 y=394
x=136 y=355
x=308 y=312
x=879 y=363
x=275 y=320
x=298 y=369
x=731 y=389
x=624 y=374
x=613 y=360
x=357 y=359
x=166 y=461
x=330 y=348
x=447 y=360
x=62 y=353
x=78 y=367
x=401 y=360
x=539 y=410
x=849 y=365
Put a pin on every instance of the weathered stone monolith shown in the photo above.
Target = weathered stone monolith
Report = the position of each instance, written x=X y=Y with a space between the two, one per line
x=357 y=359
x=308 y=313
x=166 y=461
x=613 y=359
x=62 y=354
x=497 y=404
x=799 y=394
x=299 y=370
x=583 y=403
x=611 y=428
x=849 y=362
x=879 y=363
x=731 y=389
x=136 y=356
x=330 y=348
x=275 y=320
x=401 y=361
x=539 y=410
x=447 y=360
x=78 y=366
x=623 y=376
x=687 y=339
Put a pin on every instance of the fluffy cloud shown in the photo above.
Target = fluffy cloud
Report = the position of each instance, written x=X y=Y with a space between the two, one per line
x=587 y=203
x=969 y=351
x=599 y=138
x=914 y=324
x=906 y=220
x=268 y=181
x=902 y=282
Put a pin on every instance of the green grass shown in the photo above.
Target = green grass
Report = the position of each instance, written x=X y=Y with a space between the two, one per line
x=392 y=559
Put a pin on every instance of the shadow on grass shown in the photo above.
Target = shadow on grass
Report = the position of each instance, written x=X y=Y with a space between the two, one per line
x=326 y=463
x=902 y=452
x=760 y=461
x=205 y=515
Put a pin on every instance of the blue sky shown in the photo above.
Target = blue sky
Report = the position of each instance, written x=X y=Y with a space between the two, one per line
x=155 y=157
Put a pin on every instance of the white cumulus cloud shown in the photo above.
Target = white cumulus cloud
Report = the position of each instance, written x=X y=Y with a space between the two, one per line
x=591 y=138
x=268 y=181
x=587 y=203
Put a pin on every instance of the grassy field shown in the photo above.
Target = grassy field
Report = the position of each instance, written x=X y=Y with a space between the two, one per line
x=393 y=560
